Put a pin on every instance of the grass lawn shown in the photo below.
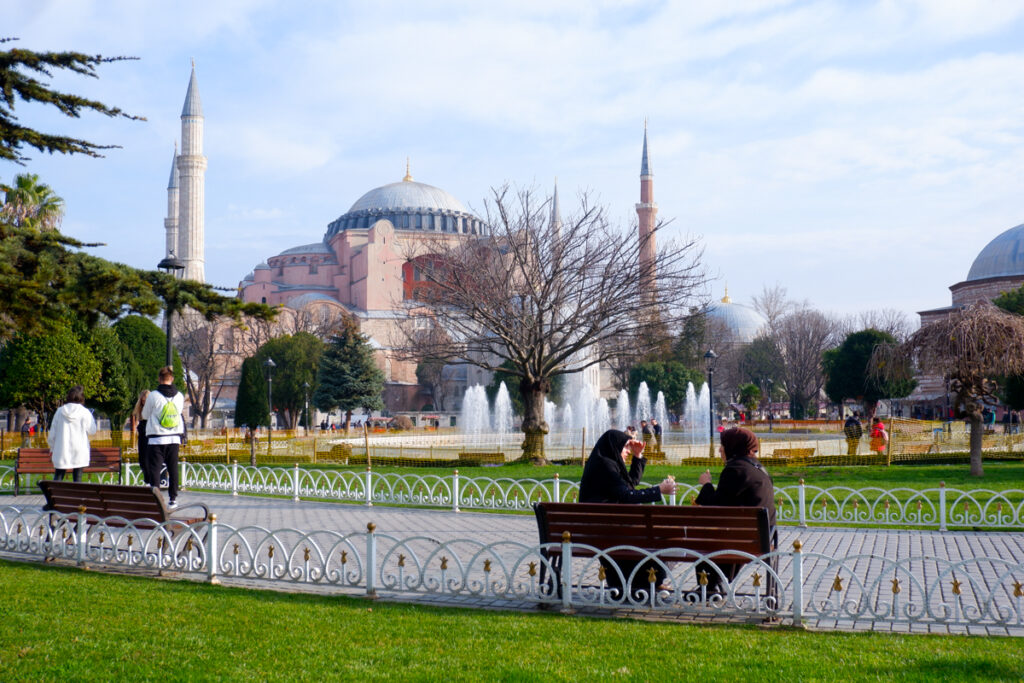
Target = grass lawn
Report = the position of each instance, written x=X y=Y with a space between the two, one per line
x=66 y=624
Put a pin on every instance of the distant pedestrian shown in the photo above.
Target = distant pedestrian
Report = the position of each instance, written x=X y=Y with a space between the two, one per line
x=26 y=434
x=656 y=428
x=69 y=435
x=879 y=437
x=165 y=430
x=854 y=430
x=143 y=439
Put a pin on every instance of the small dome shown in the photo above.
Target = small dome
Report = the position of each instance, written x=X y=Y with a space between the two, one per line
x=262 y=266
x=1002 y=256
x=248 y=278
x=742 y=322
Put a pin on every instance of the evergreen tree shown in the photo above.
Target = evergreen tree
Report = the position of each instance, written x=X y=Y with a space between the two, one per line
x=114 y=397
x=347 y=377
x=18 y=69
x=297 y=358
x=848 y=372
x=147 y=353
x=37 y=371
x=251 y=404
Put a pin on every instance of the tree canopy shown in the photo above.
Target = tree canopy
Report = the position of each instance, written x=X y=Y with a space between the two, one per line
x=38 y=370
x=347 y=377
x=297 y=358
x=848 y=371
x=668 y=377
x=251 y=408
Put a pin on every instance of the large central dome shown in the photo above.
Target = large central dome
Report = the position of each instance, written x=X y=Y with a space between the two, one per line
x=1003 y=256
x=408 y=194
x=411 y=206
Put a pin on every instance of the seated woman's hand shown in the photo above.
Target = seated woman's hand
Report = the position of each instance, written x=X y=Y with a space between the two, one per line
x=668 y=486
x=705 y=477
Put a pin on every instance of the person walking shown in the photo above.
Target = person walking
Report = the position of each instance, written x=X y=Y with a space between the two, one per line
x=26 y=433
x=143 y=439
x=165 y=431
x=854 y=430
x=656 y=428
x=879 y=437
x=72 y=426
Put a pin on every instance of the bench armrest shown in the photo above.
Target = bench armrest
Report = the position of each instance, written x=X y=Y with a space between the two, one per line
x=177 y=510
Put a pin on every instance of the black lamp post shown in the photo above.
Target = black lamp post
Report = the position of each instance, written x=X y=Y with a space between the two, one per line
x=710 y=360
x=771 y=416
x=269 y=366
x=305 y=385
x=170 y=265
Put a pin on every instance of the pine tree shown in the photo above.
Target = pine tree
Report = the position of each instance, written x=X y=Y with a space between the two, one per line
x=347 y=377
x=18 y=83
x=251 y=404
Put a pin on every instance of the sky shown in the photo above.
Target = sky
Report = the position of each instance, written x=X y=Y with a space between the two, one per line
x=859 y=154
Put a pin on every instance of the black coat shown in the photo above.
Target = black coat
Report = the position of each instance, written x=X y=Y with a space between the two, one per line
x=602 y=482
x=743 y=482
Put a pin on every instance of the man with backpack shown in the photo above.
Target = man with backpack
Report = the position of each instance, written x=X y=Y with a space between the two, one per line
x=853 y=430
x=165 y=429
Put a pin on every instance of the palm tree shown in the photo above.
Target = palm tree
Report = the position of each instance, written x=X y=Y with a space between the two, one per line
x=31 y=204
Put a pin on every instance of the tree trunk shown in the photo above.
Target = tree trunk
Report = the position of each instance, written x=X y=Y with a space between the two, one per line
x=534 y=427
x=977 y=429
x=348 y=421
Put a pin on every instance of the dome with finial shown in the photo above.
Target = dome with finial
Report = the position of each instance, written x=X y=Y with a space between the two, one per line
x=741 y=323
x=409 y=205
x=1002 y=257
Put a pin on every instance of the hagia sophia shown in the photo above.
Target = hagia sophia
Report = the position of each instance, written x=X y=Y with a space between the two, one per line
x=365 y=264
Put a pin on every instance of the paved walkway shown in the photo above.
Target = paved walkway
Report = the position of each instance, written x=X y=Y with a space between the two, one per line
x=444 y=525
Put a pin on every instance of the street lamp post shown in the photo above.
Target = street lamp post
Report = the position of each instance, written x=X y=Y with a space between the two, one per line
x=710 y=360
x=771 y=414
x=269 y=365
x=305 y=385
x=170 y=265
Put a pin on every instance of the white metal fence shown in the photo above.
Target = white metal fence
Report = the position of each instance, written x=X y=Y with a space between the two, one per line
x=917 y=591
x=939 y=508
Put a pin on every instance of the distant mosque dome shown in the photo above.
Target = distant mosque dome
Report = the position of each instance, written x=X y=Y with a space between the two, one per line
x=409 y=205
x=1002 y=257
x=741 y=322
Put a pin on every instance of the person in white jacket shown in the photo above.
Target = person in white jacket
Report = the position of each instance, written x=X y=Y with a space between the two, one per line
x=72 y=426
x=165 y=431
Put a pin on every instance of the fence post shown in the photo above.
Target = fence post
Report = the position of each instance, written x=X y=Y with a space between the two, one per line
x=558 y=489
x=80 y=538
x=802 y=503
x=295 y=482
x=798 y=584
x=371 y=559
x=942 y=506
x=211 y=550
x=455 y=491
x=565 y=579
x=127 y=472
x=369 y=487
x=234 y=477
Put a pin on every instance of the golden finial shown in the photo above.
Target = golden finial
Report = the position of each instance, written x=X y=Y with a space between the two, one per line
x=408 y=175
x=837 y=585
x=956 y=586
x=895 y=586
x=726 y=299
x=193 y=62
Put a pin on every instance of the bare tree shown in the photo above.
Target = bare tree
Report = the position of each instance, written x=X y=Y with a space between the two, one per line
x=802 y=337
x=205 y=359
x=888 y=320
x=973 y=347
x=774 y=304
x=551 y=298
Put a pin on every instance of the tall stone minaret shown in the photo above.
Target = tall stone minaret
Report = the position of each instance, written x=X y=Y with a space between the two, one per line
x=556 y=212
x=192 y=194
x=171 y=222
x=646 y=211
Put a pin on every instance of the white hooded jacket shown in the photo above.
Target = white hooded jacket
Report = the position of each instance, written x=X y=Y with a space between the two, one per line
x=72 y=426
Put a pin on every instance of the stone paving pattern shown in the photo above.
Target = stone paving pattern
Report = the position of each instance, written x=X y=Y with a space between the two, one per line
x=445 y=525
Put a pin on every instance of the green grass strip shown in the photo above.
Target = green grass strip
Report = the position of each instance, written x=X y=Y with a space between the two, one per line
x=71 y=625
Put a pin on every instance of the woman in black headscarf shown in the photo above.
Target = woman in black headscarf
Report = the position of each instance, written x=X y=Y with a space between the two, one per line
x=606 y=480
x=743 y=482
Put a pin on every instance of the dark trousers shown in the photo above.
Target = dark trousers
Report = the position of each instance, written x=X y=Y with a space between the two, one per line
x=158 y=456
x=144 y=455
x=76 y=474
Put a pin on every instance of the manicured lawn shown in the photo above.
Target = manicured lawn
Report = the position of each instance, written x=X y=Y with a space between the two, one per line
x=67 y=624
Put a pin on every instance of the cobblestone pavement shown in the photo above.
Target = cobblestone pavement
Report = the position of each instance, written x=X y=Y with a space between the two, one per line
x=444 y=525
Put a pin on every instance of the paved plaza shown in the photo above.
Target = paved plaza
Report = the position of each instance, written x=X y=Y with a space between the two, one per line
x=446 y=526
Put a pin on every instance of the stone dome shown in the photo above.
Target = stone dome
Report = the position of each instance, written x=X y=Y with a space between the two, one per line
x=742 y=322
x=409 y=206
x=1001 y=257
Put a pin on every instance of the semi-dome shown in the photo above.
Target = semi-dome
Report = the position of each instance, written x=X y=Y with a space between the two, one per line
x=408 y=205
x=1001 y=257
x=262 y=266
x=742 y=322
x=303 y=300
x=314 y=248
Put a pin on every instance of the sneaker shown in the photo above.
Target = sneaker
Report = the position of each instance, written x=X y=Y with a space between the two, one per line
x=172 y=505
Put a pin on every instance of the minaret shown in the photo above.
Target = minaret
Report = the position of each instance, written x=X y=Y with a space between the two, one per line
x=171 y=222
x=556 y=212
x=646 y=211
x=192 y=194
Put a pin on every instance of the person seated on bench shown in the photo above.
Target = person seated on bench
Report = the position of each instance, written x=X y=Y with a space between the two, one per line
x=606 y=480
x=69 y=435
x=743 y=481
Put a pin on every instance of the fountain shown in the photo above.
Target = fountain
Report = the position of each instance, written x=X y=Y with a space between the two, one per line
x=476 y=417
x=502 y=414
x=622 y=413
x=643 y=404
x=661 y=415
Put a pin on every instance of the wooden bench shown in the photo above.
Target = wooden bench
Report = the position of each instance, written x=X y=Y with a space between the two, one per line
x=672 y=529
x=142 y=506
x=40 y=461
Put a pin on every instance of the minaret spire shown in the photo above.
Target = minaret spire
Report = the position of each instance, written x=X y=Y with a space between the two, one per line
x=556 y=211
x=191 y=166
x=171 y=221
x=647 y=212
